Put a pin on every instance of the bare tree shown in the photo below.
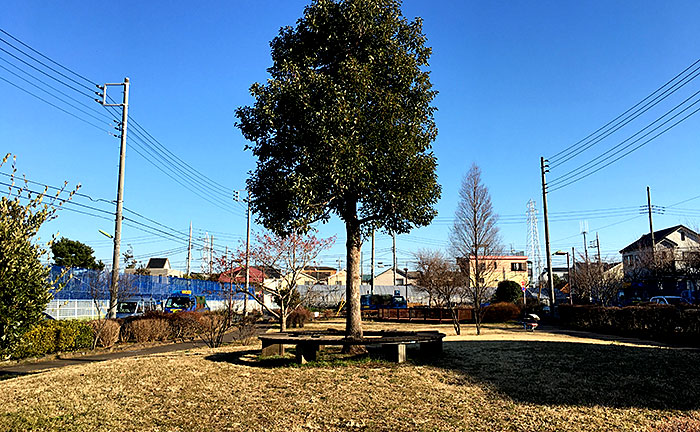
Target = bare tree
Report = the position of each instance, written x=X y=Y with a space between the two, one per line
x=97 y=283
x=442 y=281
x=475 y=241
x=288 y=255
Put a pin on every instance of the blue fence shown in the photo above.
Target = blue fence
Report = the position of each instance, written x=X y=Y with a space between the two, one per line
x=81 y=284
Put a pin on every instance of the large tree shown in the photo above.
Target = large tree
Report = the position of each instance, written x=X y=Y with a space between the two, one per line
x=475 y=241
x=24 y=280
x=344 y=126
x=72 y=253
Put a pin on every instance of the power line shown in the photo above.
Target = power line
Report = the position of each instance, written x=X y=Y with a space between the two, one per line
x=567 y=150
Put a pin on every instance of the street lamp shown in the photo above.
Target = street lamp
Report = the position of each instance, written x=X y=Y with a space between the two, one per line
x=568 y=274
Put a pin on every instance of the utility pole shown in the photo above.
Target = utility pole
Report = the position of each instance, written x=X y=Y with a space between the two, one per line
x=597 y=242
x=585 y=247
x=544 y=167
x=211 y=255
x=371 y=283
x=114 y=285
x=393 y=248
x=189 y=250
x=651 y=224
x=247 y=259
x=571 y=275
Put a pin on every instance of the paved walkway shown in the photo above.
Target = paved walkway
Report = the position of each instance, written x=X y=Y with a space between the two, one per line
x=37 y=366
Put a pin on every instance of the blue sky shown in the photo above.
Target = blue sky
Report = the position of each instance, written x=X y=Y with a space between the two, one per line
x=517 y=80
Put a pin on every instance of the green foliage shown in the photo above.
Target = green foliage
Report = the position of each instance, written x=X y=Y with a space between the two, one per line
x=24 y=281
x=54 y=336
x=74 y=254
x=508 y=291
x=345 y=123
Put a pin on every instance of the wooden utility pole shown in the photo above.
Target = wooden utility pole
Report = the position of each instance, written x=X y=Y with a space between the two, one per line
x=544 y=167
x=114 y=285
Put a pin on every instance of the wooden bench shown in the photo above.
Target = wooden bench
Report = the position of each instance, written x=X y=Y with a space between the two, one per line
x=392 y=343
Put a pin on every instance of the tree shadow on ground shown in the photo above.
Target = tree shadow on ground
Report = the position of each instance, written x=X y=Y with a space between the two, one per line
x=5 y=375
x=567 y=373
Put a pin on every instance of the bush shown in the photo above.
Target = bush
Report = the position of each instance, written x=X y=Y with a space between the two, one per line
x=108 y=332
x=663 y=323
x=147 y=330
x=49 y=337
x=508 y=292
x=298 y=317
x=185 y=325
x=501 y=312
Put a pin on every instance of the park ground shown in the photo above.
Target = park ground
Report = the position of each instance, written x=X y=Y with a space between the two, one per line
x=504 y=380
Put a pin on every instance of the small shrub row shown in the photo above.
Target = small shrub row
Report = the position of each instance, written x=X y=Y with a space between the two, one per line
x=106 y=331
x=663 y=323
x=49 y=337
x=501 y=312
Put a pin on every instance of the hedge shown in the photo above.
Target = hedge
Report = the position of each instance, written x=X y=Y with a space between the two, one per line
x=49 y=337
x=656 y=322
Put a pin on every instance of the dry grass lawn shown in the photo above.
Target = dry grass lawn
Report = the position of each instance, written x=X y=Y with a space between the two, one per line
x=505 y=379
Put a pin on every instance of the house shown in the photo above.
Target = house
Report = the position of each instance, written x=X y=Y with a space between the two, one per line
x=666 y=266
x=499 y=268
x=157 y=267
x=386 y=278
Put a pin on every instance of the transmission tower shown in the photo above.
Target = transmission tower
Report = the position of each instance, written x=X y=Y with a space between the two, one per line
x=533 y=243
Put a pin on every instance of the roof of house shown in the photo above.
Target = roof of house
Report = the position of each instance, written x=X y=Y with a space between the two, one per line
x=255 y=275
x=644 y=241
x=158 y=263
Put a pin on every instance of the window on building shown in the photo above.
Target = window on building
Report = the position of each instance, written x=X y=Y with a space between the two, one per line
x=517 y=266
x=682 y=235
x=495 y=265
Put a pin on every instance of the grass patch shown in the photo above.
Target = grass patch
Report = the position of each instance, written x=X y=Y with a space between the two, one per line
x=525 y=382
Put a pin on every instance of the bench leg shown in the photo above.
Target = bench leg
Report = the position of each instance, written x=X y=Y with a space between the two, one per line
x=269 y=350
x=306 y=352
x=395 y=352
x=429 y=349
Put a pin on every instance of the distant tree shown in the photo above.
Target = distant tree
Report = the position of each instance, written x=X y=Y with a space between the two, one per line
x=130 y=262
x=74 y=254
x=24 y=280
x=344 y=126
x=475 y=241
x=442 y=280
x=508 y=291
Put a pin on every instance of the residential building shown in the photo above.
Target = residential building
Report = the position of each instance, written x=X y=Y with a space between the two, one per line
x=667 y=266
x=386 y=277
x=157 y=267
x=499 y=268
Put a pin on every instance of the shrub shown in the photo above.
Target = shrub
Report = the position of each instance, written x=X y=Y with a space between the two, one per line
x=185 y=325
x=501 y=312
x=508 y=292
x=50 y=337
x=147 y=330
x=298 y=317
x=106 y=332
x=664 y=323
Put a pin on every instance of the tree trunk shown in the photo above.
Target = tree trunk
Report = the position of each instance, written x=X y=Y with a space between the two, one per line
x=353 y=323
x=283 y=316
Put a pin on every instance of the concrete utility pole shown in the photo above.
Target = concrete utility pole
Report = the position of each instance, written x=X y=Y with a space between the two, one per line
x=247 y=259
x=597 y=243
x=544 y=167
x=371 y=283
x=571 y=276
x=114 y=285
x=651 y=224
x=189 y=250
x=393 y=248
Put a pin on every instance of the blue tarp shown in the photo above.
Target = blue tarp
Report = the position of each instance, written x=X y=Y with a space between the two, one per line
x=81 y=284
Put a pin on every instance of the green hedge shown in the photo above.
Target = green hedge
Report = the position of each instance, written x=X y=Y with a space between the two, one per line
x=51 y=336
x=657 y=322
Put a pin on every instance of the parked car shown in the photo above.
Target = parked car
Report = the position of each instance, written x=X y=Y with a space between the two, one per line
x=692 y=297
x=185 y=301
x=135 y=307
x=668 y=300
